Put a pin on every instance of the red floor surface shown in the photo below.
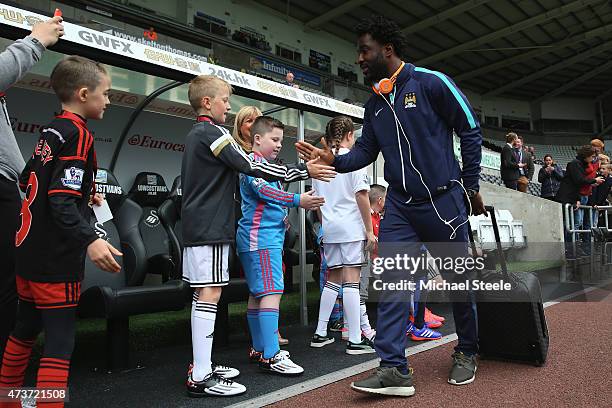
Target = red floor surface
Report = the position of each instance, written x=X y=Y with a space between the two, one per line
x=578 y=372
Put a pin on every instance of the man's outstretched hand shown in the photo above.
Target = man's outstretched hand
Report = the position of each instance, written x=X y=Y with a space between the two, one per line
x=309 y=152
x=319 y=171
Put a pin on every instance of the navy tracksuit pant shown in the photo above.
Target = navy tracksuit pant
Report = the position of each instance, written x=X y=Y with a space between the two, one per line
x=418 y=223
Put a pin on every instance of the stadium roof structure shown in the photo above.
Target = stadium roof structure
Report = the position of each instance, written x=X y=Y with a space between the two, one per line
x=528 y=49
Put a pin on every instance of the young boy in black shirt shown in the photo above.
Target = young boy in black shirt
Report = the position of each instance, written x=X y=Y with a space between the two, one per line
x=54 y=232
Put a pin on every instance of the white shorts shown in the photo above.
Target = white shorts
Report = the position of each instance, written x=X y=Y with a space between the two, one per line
x=206 y=265
x=345 y=254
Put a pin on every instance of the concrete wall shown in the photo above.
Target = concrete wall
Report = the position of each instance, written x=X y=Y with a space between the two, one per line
x=542 y=221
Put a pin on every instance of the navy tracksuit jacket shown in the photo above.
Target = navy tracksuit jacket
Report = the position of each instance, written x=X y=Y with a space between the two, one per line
x=429 y=106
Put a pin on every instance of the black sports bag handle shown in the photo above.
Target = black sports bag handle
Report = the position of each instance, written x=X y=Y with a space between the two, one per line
x=502 y=260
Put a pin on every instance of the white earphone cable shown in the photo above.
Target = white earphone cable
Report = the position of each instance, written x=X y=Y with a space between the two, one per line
x=398 y=127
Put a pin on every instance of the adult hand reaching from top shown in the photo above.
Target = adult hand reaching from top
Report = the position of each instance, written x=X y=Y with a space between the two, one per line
x=310 y=152
x=48 y=32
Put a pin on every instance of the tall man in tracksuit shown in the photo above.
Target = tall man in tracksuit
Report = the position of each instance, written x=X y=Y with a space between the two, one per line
x=416 y=140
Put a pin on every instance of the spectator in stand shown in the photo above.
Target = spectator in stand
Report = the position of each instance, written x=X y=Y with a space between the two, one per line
x=586 y=190
x=550 y=176
x=598 y=145
x=603 y=159
x=599 y=197
x=577 y=175
x=150 y=34
x=531 y=151
x=510 y=166
x=289 y=80
x=523 y=158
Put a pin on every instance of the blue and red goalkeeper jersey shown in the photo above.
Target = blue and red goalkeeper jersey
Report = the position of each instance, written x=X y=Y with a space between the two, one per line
x=264 y=212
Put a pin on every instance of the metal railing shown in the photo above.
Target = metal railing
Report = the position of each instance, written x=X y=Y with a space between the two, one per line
x=570 y=221
x=590 y=261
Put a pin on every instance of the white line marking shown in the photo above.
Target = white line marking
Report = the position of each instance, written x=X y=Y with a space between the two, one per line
x=335 y=376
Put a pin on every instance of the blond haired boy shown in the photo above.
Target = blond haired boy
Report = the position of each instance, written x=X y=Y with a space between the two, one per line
x=209 y=176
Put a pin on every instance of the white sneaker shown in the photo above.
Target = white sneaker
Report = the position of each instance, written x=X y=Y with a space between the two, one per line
x=214 y=385
x=321 y=341
x=366 y=346
x=280 y=364
x=221 y=370
x=225 y=371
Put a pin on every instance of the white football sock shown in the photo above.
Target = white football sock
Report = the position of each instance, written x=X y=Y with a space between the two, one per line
x=326 y=305
x=350 y=299
x=202 y=333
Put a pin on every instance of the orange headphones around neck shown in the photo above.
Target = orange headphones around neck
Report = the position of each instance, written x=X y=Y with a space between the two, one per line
x=385 y=85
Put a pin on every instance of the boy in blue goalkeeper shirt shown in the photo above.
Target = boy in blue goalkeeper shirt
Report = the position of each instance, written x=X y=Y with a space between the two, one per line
x=260 y=238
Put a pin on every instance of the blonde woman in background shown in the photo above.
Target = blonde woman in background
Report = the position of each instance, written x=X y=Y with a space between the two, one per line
x=242 y=126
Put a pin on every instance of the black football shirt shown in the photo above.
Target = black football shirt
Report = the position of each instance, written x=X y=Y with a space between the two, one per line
x=58 y=181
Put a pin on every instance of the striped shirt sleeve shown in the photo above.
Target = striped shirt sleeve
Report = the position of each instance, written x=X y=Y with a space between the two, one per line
x=224 y=148
x=268 y=193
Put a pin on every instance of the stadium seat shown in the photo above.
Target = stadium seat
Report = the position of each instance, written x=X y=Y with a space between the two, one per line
x=518 y=237
x=116 y=297
x=505 y=219
x=483 y=227
x=149 y=191
x=170 y=217
x=535 y=189
x=236 y=291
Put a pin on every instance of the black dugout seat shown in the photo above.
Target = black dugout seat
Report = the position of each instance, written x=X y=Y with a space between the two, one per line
x=116 y=297
x=235 y=291
x=170 y=217
x=149 y=191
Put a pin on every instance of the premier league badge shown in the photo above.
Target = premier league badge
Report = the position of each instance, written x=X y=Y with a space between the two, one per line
x=73 y=178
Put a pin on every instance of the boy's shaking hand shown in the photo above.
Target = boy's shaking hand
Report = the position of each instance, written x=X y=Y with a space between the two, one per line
x=319 y=171
x=309 y=201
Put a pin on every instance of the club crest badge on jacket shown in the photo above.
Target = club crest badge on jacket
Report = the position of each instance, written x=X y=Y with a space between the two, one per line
x=410 y=100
